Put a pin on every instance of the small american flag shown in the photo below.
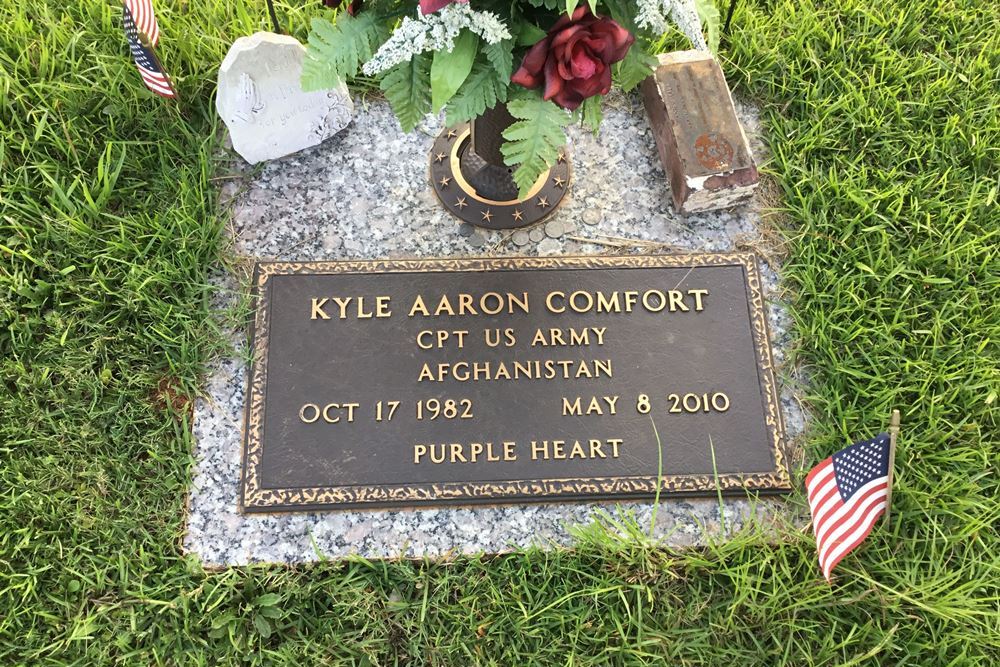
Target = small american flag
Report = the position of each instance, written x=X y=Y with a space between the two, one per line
x=149 y=67
x=145 y=19
x=848 y=492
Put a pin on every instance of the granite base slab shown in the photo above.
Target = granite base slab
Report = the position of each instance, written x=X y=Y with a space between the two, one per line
x=364 y=194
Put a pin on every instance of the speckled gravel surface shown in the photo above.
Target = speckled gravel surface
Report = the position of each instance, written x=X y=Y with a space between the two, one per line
x=364 y=194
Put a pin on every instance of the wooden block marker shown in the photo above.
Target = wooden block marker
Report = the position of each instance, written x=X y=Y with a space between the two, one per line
x=703 y=148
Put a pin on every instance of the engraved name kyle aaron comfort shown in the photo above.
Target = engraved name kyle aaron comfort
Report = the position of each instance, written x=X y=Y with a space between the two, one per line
x=406 y=383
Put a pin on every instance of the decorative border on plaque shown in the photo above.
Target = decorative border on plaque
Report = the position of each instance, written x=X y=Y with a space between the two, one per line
x=255 y=497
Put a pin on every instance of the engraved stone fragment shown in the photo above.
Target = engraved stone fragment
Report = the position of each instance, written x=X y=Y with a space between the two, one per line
x=260 y=100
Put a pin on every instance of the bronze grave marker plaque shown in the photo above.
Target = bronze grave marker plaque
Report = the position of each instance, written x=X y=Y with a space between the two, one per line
x=420 y=382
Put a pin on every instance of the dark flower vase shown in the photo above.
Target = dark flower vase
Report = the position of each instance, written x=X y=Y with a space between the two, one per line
x=470 y=178
x=482 y=163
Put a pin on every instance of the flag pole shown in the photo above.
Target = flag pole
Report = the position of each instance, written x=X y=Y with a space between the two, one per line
x=149 y=46
x=893 y=434
x=729 y=17
x=274 y=17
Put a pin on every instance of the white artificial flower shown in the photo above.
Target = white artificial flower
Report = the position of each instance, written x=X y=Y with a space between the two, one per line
x=434 y=32
x=652 y=16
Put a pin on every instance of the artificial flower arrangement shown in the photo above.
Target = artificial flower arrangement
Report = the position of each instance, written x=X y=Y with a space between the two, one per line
x=549 y=61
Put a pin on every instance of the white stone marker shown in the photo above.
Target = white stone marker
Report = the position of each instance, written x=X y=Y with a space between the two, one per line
x=262 y=103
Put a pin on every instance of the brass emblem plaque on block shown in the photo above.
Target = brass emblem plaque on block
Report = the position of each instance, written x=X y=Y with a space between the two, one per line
x=409 y=383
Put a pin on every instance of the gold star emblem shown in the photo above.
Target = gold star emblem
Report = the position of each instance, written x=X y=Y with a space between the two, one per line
x=452 y=134
x=559 y=181
x=487 y=216
x=518 y=215
x=460 y=202
x=543 y=202
x=562 y=157
x=439 y=157
x=444 y=181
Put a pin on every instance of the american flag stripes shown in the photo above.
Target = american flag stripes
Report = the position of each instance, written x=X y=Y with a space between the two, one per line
x=848 y=492
x=149 y=67
x=144 y=19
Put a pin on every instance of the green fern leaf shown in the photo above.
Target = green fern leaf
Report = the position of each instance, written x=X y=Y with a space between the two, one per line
x=408 y=89
x=590 y=113
x=549 y=4
x=634 y=69
x=533 y=142
x=481 y=91
x=711 y=20
x=336 y=51
x=501 y=57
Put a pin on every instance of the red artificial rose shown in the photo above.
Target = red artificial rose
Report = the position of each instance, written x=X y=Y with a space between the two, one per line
x=431 y=6
x=352 y=6
x=574 y=60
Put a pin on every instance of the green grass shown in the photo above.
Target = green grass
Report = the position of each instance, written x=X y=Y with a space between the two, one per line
x=883 y=121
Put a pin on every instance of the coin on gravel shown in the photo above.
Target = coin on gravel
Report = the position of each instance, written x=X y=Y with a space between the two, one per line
x=520 y=237
x=536 y=234
x=465 y=229
x=553 y=229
